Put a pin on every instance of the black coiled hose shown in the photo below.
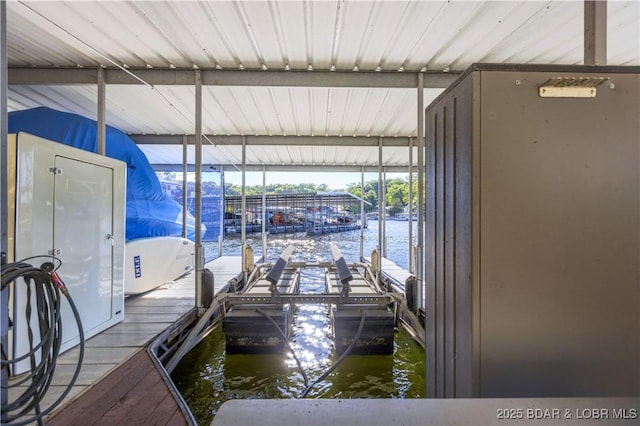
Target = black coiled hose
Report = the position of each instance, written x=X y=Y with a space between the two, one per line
x=44 y=287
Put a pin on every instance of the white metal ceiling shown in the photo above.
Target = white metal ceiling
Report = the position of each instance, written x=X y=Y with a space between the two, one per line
x=288 y=35
x=297 y=157
x=320 y=34
x=240 y=110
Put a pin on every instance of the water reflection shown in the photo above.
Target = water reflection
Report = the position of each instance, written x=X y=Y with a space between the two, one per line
x=207 y=377
x=317 y=248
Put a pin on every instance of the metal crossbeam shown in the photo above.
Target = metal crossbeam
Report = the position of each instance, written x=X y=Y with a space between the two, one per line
x=307 y=299
x=243 y=78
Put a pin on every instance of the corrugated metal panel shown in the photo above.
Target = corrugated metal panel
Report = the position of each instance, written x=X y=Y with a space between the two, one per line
x=238 y=110
x=388 y=34
x=278 y=35
x=300 y=156
x=311 y=111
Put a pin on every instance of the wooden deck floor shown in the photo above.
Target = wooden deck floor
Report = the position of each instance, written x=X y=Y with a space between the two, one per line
x=133 y=394
x=121 y=348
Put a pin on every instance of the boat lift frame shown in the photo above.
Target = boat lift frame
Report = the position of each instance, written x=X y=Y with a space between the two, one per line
x=308 y=299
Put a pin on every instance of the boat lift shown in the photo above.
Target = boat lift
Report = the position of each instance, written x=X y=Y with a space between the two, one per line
x=256 y=312
x=350 y=290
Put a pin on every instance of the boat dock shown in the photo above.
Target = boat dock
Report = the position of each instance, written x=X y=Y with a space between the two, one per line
x=315 y=213
x=118 y=371
x=117 y=366
x=122 y=383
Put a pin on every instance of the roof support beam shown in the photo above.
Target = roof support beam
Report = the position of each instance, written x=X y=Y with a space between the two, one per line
x=184 y=77
x=286 y=168
x=595 y=32
x=236 y=140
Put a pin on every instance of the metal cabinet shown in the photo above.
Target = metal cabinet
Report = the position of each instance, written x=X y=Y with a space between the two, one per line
x=533 y=233
x=68 y=203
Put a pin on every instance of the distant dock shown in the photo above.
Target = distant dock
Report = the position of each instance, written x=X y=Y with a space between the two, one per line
x=315 y=213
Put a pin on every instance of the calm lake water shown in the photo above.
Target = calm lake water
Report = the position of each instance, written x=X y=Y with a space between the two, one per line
x=207 y=377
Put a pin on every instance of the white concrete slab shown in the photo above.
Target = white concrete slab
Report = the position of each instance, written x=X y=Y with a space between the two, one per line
x=425 y=412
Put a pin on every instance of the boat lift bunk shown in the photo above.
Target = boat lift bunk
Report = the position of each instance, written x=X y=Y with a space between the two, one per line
x=371 y=325
x=262 y=326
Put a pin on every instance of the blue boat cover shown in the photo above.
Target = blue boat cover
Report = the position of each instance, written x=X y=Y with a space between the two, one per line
x=150 y=212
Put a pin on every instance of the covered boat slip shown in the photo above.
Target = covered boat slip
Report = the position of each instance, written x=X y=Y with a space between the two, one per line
x=119 y=367
x=313 y=212
x=528 y=186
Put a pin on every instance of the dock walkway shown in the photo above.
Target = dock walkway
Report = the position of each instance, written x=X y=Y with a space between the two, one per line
x=132 y=394
x=122 y=349
x=393 y=271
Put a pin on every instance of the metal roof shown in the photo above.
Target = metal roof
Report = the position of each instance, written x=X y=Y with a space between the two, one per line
x=340 y=75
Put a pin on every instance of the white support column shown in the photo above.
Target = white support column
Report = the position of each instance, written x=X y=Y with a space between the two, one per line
x=410 y=210
x=221 y=205
x=363 y=216
x=595 y=32
x=198 y=188
x=264 y=214
x=384 y=219
x=419 y=267
x=381 y=210
x=185 y=161
x=243 y=204
x=4 y=296
x=102 y=126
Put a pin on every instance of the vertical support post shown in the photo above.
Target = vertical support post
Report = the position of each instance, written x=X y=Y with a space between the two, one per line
x=363 y=216
x=410 y=210
x=381 y=203
x=222 y=206
x=198 y=194
x=420 y=234
x=4 y=296
x=384 y=219
x=243 y=206
x=315 y=216
x=185 y=160
x=595 y=32
x=102 y=126
x=264 y=214
x=420 y=261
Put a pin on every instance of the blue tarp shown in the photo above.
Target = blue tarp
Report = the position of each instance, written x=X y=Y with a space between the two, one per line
x=150 y=212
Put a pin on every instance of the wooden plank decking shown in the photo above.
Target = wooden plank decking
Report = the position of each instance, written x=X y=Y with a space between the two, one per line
x=133 y=394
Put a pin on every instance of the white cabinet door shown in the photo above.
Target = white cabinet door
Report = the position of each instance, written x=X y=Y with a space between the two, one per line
x=83 y=226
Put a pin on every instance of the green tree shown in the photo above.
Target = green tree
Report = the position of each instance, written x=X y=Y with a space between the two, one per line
x=397 y=195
